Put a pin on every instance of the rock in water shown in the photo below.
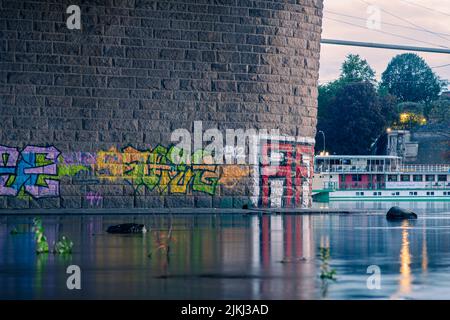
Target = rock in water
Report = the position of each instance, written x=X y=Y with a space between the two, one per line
x=397 y=213
x=127 y=228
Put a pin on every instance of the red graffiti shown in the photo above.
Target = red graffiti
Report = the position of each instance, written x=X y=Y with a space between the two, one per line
x=292 y=165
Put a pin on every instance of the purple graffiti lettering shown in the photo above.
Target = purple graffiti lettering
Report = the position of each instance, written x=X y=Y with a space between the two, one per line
x=94 y=198
x=7 y=168
x=27 y=169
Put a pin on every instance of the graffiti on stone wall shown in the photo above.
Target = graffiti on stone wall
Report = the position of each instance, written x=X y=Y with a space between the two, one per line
x=32 y=171
x=36 y=171
x=94 y=198
x=156 y=170
x=283 y=177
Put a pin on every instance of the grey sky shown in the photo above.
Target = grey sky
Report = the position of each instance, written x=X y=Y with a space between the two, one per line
x=435 y=18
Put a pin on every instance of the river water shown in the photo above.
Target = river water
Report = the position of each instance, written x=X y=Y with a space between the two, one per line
x=236 y=256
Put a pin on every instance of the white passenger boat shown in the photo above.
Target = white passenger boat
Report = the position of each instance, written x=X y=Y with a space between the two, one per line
x=378 y=178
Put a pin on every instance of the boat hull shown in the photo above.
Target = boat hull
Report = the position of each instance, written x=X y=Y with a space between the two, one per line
x=384 y=195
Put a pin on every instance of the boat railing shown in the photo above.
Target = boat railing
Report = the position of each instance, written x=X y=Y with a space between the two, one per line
x=444 y=168
x=382 y=186
x=355 y=169
x=359 y=186
x=438 y=168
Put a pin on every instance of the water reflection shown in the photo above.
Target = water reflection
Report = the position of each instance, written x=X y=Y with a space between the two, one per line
x=230 y=257
x=424 y=250
x=405 y=261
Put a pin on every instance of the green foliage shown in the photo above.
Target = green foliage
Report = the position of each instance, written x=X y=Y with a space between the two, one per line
x=356 y=69
x=439 y=111
x=326 y=273
x=351 y=112
x=413 y=107
x=409 y=78
x=356 y=116
x=63 y=246
x=41 y=240
x=14 y=231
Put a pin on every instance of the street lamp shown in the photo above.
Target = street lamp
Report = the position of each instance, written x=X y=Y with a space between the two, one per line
x=323 y=134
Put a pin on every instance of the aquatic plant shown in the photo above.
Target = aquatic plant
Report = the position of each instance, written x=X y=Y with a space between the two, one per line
x=326 y=272
x=63 y=246
x=14 y=231
x=41 y=239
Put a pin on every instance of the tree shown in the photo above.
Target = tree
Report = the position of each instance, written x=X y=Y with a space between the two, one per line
x=440 y=112
x=409 y=78
x=355 y=69
x=357 y=119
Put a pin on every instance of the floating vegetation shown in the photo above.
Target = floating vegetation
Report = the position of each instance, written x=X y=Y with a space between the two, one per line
x=41 y=239
x=63 y=246
x=326 y=272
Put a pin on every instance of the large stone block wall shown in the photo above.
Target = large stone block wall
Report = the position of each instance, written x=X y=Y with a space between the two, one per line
x=86 y=115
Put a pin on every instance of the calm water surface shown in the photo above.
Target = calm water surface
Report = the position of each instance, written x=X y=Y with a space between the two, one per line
x=234 y=256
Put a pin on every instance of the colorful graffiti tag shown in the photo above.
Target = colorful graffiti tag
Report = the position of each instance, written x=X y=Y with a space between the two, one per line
x=284 y=175
x=156 y=169
x=94 y=198
x=32 y=170
x=36 y=171
x=282 y=178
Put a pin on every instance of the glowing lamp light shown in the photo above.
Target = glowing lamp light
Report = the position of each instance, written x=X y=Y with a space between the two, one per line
x=404 y=117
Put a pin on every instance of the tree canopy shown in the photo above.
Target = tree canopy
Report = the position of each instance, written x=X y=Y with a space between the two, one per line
x=356 y=119
x=409 y=78
x=356 y=69
x=354 y=110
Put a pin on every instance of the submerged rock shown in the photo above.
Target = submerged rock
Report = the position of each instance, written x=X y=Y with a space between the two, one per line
x=127 y=228
x=397 y=213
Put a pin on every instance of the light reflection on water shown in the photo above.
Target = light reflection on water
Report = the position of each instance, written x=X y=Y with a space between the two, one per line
x=234 y=256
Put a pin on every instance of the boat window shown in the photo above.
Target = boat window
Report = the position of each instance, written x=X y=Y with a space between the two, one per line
x=417 y=177
x=346 y=161
x=392 y=177
x=429 y=177
x=442 y=177
x=356 y=177
x=405 y=177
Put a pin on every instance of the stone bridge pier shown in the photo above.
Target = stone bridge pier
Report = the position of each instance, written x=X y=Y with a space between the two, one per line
x=87 y=114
